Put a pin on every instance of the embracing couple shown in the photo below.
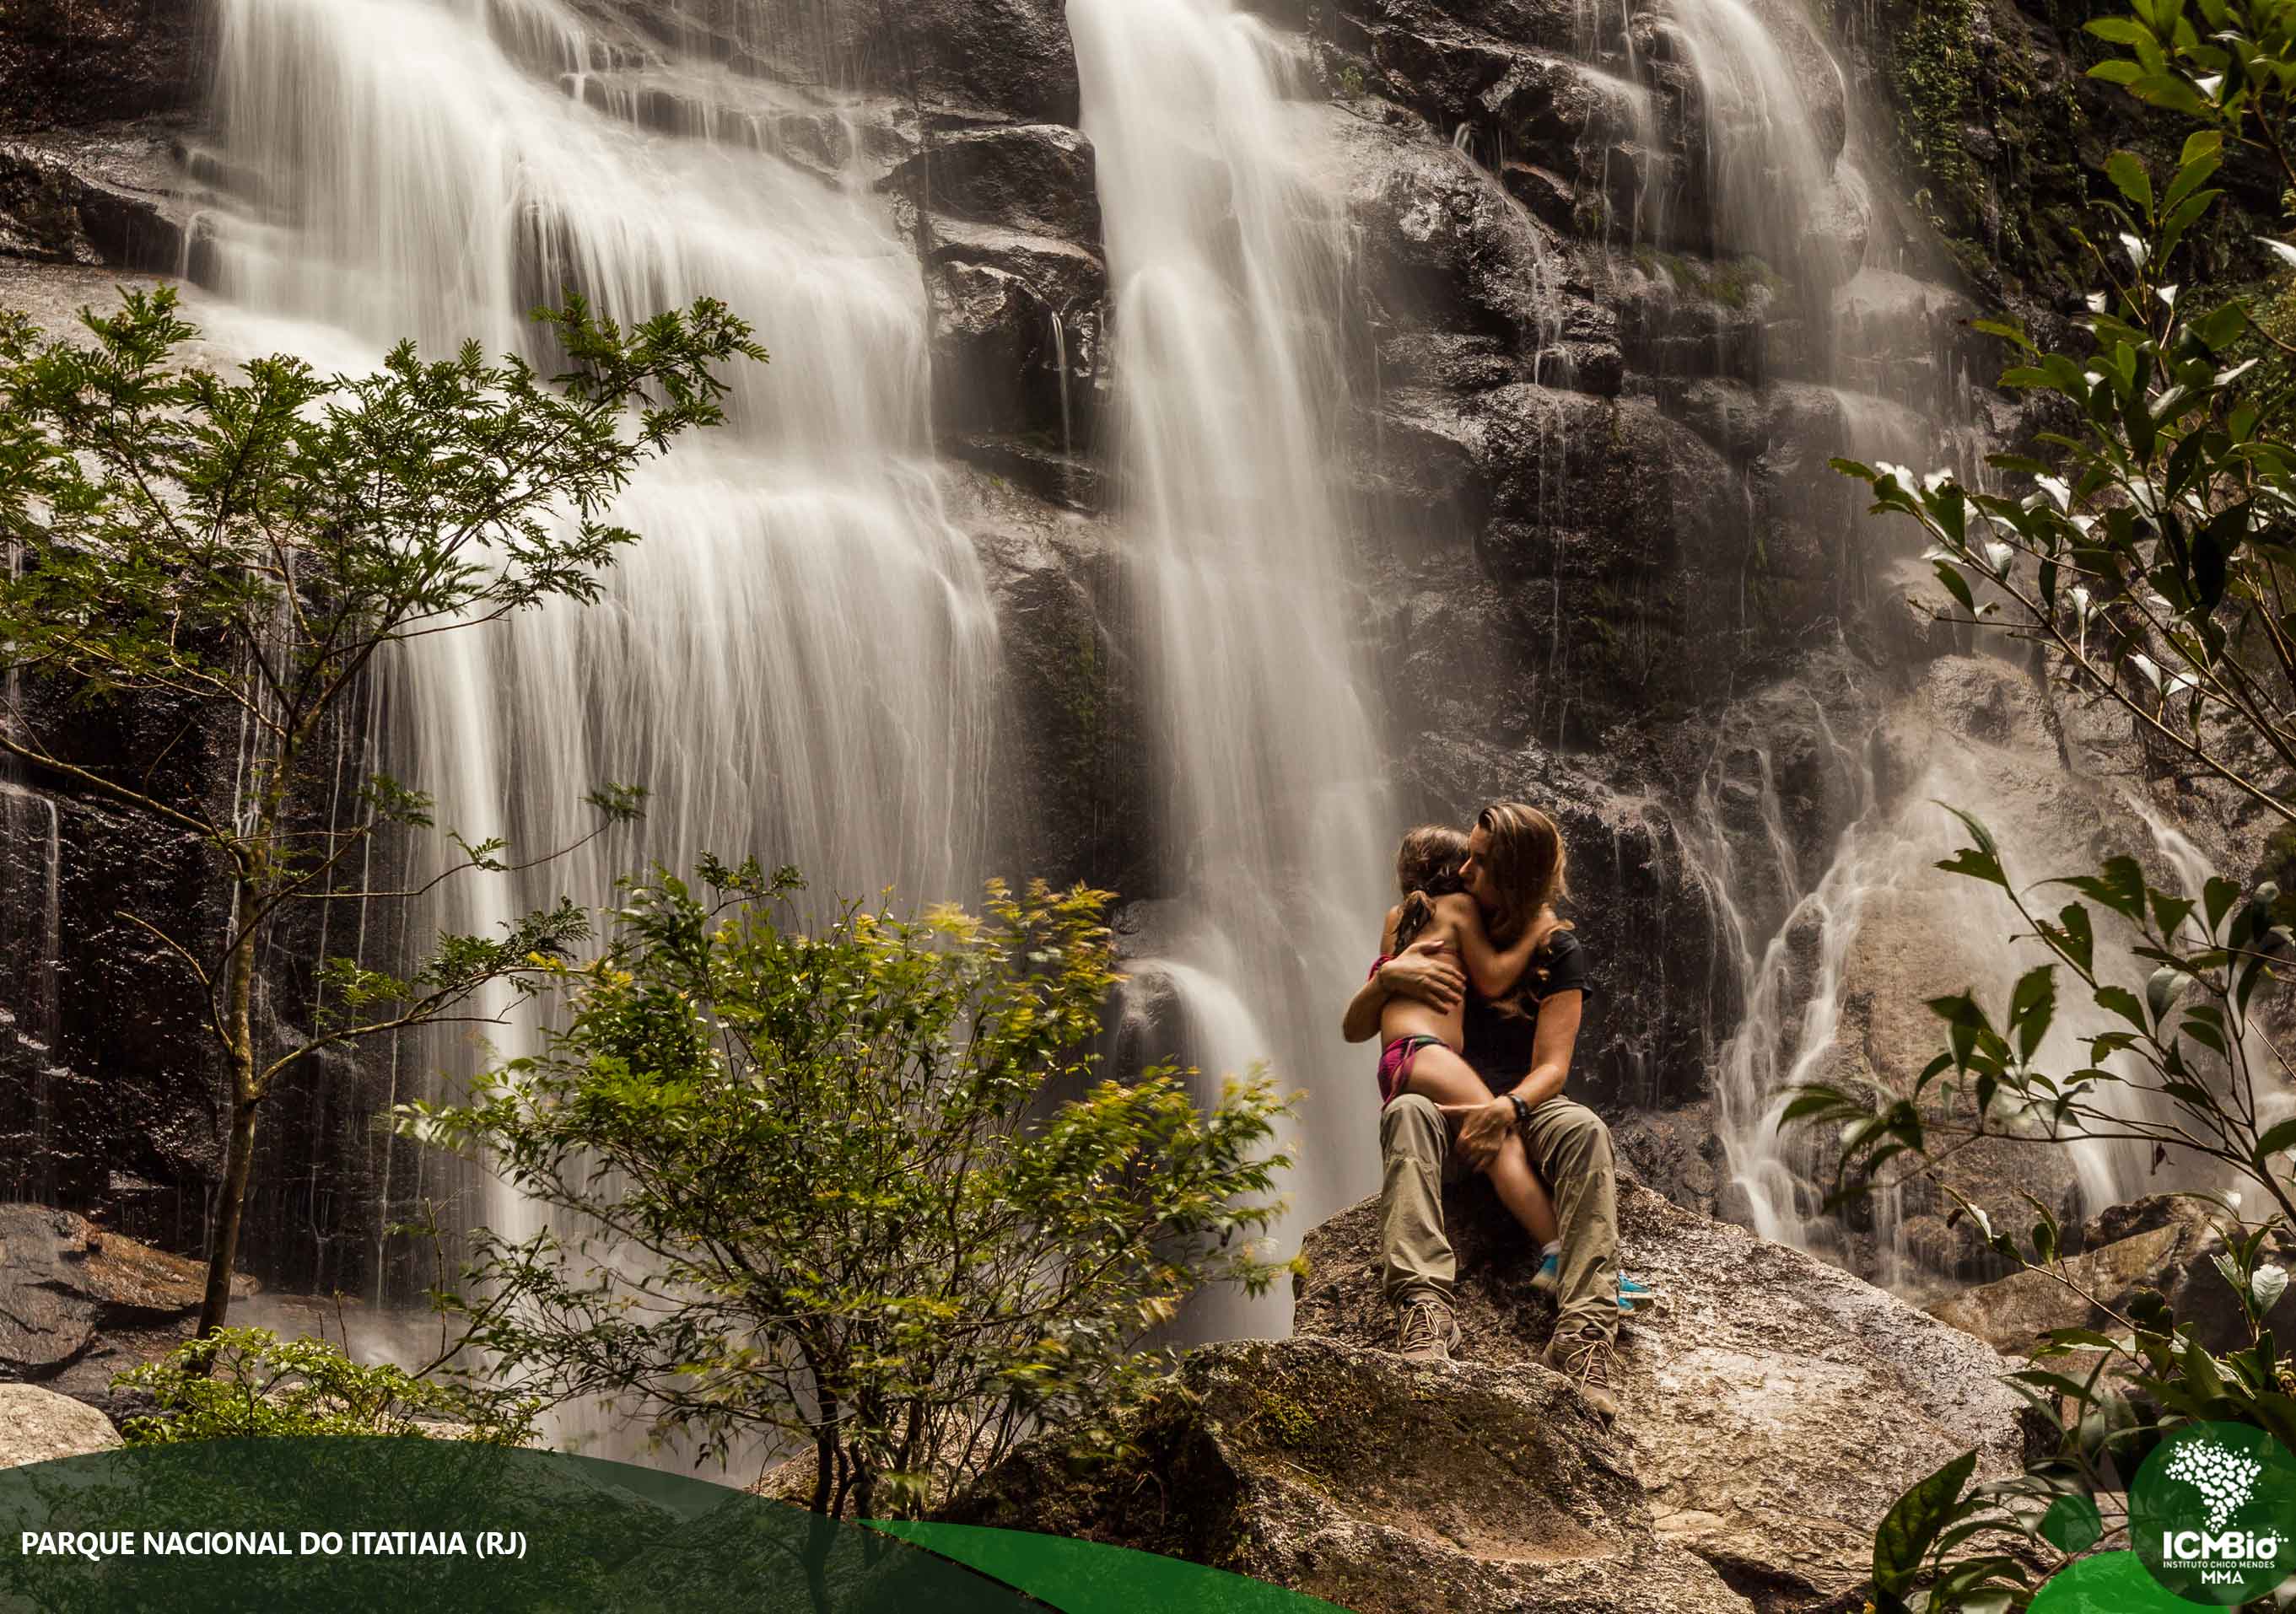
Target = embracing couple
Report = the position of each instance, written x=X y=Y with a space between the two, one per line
x=1476 y=1001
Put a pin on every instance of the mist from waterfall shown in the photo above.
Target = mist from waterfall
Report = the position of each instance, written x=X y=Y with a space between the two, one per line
x=1230 y=272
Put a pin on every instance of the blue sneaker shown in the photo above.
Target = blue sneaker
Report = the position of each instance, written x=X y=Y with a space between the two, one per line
x=1632 y=1290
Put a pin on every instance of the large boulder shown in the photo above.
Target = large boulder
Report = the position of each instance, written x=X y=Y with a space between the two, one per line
x=39 y=1426
x=1773 y=1408
x=63 y=1283
x=1383 y=1485
x=2168 y=1243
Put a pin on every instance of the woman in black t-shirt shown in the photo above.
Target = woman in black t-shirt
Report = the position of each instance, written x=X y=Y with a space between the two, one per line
x=1502 y=1037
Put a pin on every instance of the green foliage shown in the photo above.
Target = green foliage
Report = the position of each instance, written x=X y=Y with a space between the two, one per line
x=854 y=1184
x=234 y=554
x=1933 y=70
x=2151 y=567
x=247 y=1381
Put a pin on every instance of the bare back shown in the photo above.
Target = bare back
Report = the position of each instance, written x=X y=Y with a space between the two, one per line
x=1407 y=1016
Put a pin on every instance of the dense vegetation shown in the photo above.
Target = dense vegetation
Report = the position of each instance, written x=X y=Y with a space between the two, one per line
x=242 y=1382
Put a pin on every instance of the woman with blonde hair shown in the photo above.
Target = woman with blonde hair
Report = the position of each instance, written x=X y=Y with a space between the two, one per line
x=1518 y=1043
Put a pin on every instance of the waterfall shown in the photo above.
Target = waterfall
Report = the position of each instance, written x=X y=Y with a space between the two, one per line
x=798 y=660
x=1230 y=270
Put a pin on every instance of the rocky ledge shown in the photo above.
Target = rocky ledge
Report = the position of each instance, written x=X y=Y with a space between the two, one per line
x=1774 y=1407
x=78 y=1305
x=2165 y=1243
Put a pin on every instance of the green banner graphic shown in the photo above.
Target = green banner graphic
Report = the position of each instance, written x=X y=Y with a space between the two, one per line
x=2212 y=1513
x=345 y=1525
x=2110 y=1583
x=1084 y=1577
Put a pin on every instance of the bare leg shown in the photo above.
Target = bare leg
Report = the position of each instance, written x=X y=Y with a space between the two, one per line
x=1520 y=1190
x=1442 y=1076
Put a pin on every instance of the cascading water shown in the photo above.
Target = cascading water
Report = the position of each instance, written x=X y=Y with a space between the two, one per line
x=798 y=660
x=800 y=655
x=1810 y=944
x=1230 y=270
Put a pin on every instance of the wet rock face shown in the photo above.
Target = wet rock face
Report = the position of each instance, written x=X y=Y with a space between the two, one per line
x=1382 y=1485
x=67 y=63
x=103 y=200
x=110 y=1079
x=1001 y=59
x=1773 y=1408
x=970 y=60
x=1035 y=178
x=1076 y=801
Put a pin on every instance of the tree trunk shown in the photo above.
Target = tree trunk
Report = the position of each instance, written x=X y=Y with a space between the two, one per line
x=239 y=1158
x=238 y=1165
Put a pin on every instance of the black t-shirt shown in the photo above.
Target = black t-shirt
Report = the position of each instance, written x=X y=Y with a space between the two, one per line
x=1499 y=1045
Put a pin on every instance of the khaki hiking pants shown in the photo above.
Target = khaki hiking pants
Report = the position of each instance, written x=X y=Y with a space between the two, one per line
x=1571 y=1149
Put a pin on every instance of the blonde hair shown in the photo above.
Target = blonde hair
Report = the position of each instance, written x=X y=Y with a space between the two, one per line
x=1530 y=868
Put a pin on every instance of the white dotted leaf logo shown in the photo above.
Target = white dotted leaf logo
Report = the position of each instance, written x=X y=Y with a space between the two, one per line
x=2225 y=1479
x=2212 y=1513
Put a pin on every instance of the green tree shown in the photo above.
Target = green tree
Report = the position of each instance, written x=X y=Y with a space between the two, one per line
x=2151 y=567
x=243 y=552
x=853 y=1187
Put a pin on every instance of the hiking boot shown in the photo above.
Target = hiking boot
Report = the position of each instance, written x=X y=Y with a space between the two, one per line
x=1584 y=1357
x=1632 y=1290
x=1426 y=1330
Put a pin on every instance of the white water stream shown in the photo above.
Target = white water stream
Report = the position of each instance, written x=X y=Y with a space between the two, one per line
x=798 y=658
x=1230 y=273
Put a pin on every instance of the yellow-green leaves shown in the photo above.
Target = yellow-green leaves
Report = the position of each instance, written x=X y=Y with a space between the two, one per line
x=865 y=1186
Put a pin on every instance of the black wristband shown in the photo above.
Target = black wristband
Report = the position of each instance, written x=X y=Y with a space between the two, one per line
x=1521 y=1110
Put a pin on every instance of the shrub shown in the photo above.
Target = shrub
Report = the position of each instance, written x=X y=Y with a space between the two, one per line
x=854 y=1186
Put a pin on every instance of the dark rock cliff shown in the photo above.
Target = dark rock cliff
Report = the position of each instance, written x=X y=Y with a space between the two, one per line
x=74 y=63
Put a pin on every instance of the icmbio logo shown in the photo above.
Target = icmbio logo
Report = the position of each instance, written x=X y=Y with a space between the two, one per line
x=2212 y=1513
